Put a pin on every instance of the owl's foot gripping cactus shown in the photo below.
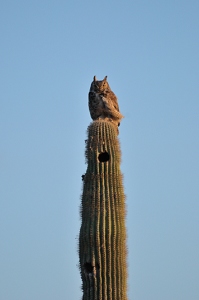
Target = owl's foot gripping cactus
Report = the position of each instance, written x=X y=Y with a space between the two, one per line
x=102 y=239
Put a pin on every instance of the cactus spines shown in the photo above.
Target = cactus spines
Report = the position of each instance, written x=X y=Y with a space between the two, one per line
x=102 y=239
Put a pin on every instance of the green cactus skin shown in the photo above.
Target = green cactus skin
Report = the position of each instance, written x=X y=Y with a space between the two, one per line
x=102 y=239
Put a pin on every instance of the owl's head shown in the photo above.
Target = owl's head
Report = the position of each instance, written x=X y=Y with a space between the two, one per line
x=95 y=78
x=100 y=85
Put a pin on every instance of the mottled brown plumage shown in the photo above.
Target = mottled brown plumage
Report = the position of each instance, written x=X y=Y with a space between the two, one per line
x=103 y=102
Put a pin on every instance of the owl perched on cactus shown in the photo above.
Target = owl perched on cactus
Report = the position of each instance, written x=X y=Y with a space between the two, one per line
x=103 y=102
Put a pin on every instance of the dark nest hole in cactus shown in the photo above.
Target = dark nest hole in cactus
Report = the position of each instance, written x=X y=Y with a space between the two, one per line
x=103 y=157
x=89 y=268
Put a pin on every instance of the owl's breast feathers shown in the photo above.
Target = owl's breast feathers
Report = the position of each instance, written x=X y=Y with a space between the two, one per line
x=111 y=97
x=111 y=106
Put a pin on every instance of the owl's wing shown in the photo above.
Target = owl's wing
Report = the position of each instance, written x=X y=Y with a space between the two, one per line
x=91 y=100
x=95 y=104
x=91 y=96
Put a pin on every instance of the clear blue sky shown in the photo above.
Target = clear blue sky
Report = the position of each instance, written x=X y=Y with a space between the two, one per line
x=49 y=53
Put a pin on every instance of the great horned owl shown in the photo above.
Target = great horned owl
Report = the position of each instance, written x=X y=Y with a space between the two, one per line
x=103 y=102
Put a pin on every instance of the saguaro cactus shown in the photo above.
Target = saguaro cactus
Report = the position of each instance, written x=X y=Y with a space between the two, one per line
x=102 y=239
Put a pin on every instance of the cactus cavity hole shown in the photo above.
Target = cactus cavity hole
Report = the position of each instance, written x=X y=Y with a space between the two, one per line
x=88 y=268
x=103 y=157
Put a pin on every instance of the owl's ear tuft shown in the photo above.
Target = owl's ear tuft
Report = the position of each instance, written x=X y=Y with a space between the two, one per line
x=94 y=78
x=105 y=78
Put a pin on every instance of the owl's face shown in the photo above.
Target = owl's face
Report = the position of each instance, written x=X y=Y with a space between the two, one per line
x=100 y=85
